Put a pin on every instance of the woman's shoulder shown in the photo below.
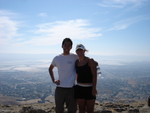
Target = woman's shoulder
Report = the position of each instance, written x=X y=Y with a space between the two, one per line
x=91 y=61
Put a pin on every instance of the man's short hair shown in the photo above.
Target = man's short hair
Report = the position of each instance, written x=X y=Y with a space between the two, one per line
x=67 y=40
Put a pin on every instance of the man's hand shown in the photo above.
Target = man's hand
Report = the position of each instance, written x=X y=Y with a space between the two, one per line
x=57 y=82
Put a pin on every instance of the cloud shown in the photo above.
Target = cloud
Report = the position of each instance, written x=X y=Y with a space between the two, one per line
x=50 y=33
x=124 y=24
x=121 y=3
x=7 y=13
x=29 y=68
x=45 y=34
x=43 y=14
x=8 y=27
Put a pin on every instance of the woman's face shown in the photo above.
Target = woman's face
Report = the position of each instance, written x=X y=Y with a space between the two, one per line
x=80 y=52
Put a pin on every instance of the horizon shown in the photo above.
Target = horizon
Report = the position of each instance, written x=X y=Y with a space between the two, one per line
x=38 y=62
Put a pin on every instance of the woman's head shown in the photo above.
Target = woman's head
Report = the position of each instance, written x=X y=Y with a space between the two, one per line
x=80 y=46
x=80 y=50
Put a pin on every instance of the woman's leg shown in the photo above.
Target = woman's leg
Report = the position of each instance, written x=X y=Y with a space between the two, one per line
x=90 y=106
x=81 y=103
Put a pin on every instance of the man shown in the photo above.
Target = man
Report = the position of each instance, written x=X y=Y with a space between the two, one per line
x=65 y=63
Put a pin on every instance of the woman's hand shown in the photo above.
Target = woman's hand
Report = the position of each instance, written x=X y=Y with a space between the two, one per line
x=94 y=91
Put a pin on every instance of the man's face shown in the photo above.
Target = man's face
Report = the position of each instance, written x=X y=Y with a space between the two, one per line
x=66 y=46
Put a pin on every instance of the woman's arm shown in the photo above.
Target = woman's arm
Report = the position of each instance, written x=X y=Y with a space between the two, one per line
x=93 y=65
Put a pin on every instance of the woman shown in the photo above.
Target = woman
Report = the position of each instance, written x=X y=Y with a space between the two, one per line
x=85 y=90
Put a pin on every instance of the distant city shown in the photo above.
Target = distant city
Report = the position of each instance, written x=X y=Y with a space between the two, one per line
x=126 y=82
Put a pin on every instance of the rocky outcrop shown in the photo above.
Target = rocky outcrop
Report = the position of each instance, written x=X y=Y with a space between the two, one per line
x=99 y=108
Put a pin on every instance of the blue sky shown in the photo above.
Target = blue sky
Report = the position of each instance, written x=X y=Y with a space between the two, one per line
x=105 y=27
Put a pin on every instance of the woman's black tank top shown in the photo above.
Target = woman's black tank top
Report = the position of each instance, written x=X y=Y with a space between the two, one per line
x=84 y=73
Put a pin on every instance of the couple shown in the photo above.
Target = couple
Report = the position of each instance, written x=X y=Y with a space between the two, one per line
x=71 y=67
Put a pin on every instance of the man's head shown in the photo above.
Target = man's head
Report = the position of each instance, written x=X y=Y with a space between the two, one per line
x=67 y=40
x=67 y=45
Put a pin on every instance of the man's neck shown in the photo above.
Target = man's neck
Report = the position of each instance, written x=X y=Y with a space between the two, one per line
x=65 y=53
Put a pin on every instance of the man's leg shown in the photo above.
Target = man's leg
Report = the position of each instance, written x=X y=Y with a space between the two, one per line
x=59 y=100
x=70 y=101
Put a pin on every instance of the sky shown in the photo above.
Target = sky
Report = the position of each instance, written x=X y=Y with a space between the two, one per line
x=107 y=28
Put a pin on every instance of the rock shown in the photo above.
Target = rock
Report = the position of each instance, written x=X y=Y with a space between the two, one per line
x=145 y=109
x=31 y=110
x=134 y=111
x=119 y=109
x=105 y=111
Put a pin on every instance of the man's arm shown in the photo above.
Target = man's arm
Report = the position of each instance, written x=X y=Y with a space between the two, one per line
x=52 y=75
x=51 y=72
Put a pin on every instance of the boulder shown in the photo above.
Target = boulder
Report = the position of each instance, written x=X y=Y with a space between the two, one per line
x=31 y=110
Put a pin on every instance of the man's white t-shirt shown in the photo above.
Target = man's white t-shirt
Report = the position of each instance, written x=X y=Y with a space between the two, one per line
x=66 y=69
